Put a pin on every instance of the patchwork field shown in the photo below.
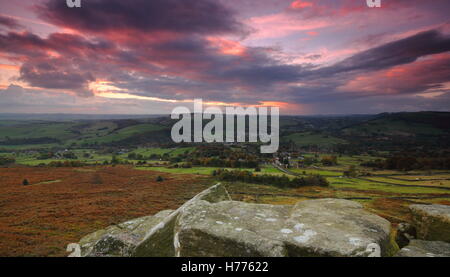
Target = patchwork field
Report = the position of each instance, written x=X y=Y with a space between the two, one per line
x=61 y=205
x=387 y=193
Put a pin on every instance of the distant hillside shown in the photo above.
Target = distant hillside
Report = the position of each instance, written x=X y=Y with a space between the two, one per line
x=71 y=117
x=32 y=134
x=384 y=131
x=403 y=124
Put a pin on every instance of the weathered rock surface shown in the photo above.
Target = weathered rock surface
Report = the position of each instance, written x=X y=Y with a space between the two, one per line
x=159 y=241
x=405 y=233
x=324 y=227
x=421 y=248
x=119 y=240
x=210 y=224
x=432 y=222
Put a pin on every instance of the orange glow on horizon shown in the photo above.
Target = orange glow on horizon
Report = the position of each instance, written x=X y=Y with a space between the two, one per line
x=123 y=95
x=9 y=67
x=227 y=47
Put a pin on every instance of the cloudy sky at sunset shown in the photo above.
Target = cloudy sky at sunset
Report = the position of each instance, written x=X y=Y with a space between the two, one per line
x=148 y=56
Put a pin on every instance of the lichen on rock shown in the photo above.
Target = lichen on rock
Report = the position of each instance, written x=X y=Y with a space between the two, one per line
x=432 y=222
x=211 y=225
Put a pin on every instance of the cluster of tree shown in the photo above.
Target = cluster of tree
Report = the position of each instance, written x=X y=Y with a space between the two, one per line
x=225 y=151
x=165 y=157
x=116 y=161
x=49 y=155
x=217 y=162
x=307 y=161
x=69 y=155
x=351 y=172
x=182 y=165
x=135 y=156
x=273 y=180
x=406 y=163
x=6 y=160
x=45 y=156
x=329 y=160
x=66 y=164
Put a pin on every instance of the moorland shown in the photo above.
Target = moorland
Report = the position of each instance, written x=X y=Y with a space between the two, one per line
x=62 y=177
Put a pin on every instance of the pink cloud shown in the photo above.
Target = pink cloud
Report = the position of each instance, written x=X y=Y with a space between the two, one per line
x=427 y=73
x=312 y=33
x=282 y=24
x=301 y=4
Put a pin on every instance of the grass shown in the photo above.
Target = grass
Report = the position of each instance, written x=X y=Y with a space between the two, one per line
x=395 y=180
x=76 y=132
x=364 y=185
x=173 y=152
x=209 y=170
x=316 y=172
x=307 y=138
x=57 y=130
x=424 y=177
x=193 y=170
x=30 y=159
x=42 y=218
x=48 y=182
x=120 y=134
x=385 y=126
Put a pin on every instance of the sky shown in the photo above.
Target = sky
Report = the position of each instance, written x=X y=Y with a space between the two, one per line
x=149 y=56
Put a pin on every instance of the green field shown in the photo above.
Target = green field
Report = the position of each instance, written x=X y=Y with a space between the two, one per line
x=307 y=138
x=56 y=130
x=392 y=126
x=172 y=152
x=69 y=133
x=365 y=185
x=120 y=134
x=95 y=157
x=209 y=170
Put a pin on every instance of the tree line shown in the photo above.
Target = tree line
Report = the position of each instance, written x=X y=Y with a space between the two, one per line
x=267 y=179
x=406 y=163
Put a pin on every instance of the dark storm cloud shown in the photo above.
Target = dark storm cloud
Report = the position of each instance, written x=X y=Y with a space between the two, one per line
x=191 y=61
x=31 y=45
x=9 y=22
x=56 y=75
x=181 y=16
x=263 y=75
x=399 y=52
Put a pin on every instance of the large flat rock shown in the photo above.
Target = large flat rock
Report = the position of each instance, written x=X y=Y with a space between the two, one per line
x=421 y=248
x=324 y=227
x=121 y=239
x=210 y=224
x=432 y=222
x=159 y=241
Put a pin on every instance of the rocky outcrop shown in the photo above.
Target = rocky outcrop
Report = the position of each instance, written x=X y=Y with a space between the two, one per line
x=211 y=224
x=321 y=228
x=421 y=248
x=432 y=222
x=159 y=241
x=405 y=233
x=121 y=239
